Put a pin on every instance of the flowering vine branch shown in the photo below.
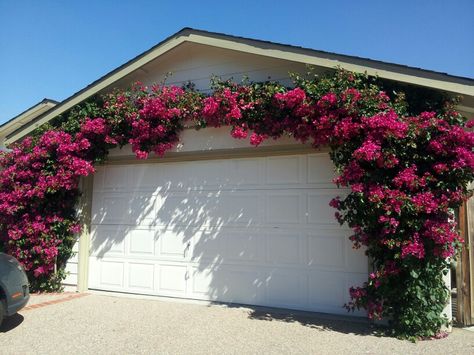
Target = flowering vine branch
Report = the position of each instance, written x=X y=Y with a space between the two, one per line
x=406 y=174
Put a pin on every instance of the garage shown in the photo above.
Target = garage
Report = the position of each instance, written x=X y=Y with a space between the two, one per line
x=251 y=230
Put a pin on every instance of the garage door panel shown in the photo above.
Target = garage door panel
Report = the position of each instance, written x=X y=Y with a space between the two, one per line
x=123 y=208
x=239 y=285
x=141 y=276
x=204 y=174
x=244 y=172
x=254 y=231
x=320 y=170
x=201 y=208
x=99 y=178
x=143 y=178
x=207 y=246
x=202 y=282
x=319 y=212
x=227 y=284
x=284 y=247
x=284 y=207
x=228 y=245
x=327 y=289
x=176 y=176
x=111 y=209
x=286 y=288
x=94 y=273
x=242 y=247
x=241 y=172
x=142 y=242
x=112 y=273
x=356 y=260
x=177 y=209
x=285 y=170
x=173 y=245
x=237 y=208
x=141 y=209
x=108 y=240
x=111 y=178
x=185 y=209
x=328 y=249
x=172 y=279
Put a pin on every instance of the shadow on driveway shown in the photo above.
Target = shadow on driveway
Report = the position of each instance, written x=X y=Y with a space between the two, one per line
x=11 y=323
x=319 y=321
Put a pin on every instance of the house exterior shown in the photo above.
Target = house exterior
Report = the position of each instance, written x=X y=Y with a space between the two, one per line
x=217 y=219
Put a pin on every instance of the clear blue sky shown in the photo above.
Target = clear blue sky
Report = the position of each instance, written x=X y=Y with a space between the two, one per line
x=54 y=48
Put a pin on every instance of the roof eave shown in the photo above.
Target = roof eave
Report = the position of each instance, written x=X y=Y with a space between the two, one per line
x=26 y=116
x=415 y=76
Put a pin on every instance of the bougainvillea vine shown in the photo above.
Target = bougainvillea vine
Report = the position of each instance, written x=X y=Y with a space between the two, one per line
x=406 y=174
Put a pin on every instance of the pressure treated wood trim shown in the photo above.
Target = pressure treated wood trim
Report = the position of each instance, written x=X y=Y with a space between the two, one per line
x=85 y=211
x=470 y=251
x=463 y=269
x=459 y=272
x=250 y=152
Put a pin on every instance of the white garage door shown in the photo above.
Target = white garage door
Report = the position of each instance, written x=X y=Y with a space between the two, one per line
x=255 y=231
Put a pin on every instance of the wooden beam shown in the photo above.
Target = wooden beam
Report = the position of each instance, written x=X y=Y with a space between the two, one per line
x=84 y=210
x=463 y=269
x=469 y=246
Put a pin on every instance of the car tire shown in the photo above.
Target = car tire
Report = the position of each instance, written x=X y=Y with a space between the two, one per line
x=2 y=311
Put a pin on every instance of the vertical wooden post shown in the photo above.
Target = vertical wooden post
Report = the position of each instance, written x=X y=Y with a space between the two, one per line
x=85 y=211
x=470 y=251
x=464 y=274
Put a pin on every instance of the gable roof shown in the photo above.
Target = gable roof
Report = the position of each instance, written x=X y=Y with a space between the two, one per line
x=401 y=73
x=26 y=117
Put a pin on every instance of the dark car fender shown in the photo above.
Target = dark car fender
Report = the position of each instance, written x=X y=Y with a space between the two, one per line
x=14 y=284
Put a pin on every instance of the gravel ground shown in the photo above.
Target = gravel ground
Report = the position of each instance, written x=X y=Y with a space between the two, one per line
x=117 y=325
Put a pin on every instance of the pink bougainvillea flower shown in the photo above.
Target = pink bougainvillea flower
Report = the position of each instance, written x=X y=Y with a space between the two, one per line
x=239 y=133
x=40 y=270
x=369 y=151
x=256 y=139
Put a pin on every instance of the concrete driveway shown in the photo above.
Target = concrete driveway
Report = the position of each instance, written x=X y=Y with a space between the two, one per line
x=108 y=324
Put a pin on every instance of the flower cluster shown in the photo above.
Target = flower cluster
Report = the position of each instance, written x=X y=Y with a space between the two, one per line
x=158 y=123
x=38 y=190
